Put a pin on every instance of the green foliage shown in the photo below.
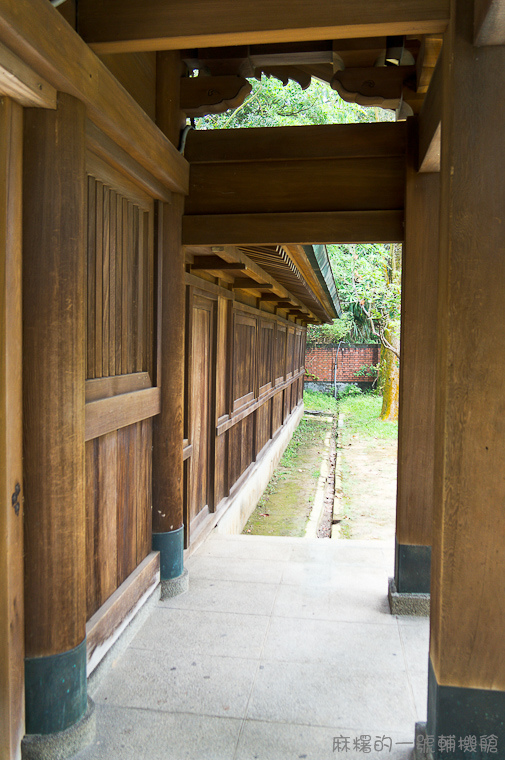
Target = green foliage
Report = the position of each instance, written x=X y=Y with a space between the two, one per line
x=319 y=402
x=367 y=370
x=270 y=104
x=362 y=419
x=349 y=390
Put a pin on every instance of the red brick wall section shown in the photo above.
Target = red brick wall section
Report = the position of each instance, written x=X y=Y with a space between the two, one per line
x=320 y=362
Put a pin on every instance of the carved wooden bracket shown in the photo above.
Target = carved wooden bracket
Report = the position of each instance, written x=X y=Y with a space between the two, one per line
x=375 y=86
x=285 y=73
x=202 y=95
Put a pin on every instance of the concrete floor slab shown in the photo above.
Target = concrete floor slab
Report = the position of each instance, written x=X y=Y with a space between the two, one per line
x=223 y=634
x=211 y=595
x=203 y=685
x=279 y=646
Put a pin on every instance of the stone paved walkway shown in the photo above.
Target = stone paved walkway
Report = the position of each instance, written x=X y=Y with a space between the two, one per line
x=282 y=649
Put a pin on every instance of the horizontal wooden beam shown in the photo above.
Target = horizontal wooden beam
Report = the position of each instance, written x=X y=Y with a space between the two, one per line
x=331 y=184
x=430 y=124
x=43 y=40
x=248 y=283
x=217 y=146
x=130 y=25
x=110 y=414
x=489 y=22
x=214 y=263
x=19 y=82
x=306 y=228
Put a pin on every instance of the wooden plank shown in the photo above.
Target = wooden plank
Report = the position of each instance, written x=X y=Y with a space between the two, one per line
x=119 y=284
x=29 y=28
x=105 y=148
x=215 y=264
x=489 y=22
x=430 y=121
x=106 y=282
x=90 y=468
x=218 y=146
x=54 y=288
x=106 y=543
x=248 y=283
x=125 y=25
x=125 y=275
x=98 y=278
x=116 y=412
x=318 y=185
x=91 y=276
x=307 y=228
x=126 y=502
x=113 y=256
x=144 y=489
x=19 y=82
x=102 y=628
x=12 y=653
x=115 y=385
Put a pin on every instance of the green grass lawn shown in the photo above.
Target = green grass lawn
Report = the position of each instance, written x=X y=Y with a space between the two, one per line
x=362 y=418
x=315 y=401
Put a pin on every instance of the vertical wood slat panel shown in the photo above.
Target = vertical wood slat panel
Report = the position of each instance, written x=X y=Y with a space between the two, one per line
x=144 y=492
x=90 y=354
x=112 y=283
x=99 y=279
x=124 y=286
x=133 y=292
x=119 y=284
x=105 y=282
x=126 y=501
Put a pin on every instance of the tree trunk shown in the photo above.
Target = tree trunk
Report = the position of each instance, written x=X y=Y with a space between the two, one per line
x=390 y=374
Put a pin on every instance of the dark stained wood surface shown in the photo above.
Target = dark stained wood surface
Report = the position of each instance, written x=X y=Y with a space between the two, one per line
x=54 y=371
x=122 y=25
x=416 y=424
x=303 y=227
x=468 y=557
x=11 y=433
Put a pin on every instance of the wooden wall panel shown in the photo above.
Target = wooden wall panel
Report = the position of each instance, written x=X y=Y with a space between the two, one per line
x=263 y=425
x=120 y=334
x=277 y=412
x=137 y=74
x=266 y=355
x=120 y=282
x=280 y=353
x=244 y=359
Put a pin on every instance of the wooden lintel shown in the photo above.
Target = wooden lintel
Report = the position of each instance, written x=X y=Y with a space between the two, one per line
x=248 y=282
x=489 y=22
x=430 y=124
x=272 y=297
x=383 y=139
x=129 y=25
x=19 y=82
x=285 y=304
x=303 y=227
x=203 y=95
x=209 y=263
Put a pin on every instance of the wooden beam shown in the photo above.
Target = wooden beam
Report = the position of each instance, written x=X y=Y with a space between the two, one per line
x=19 y=82
x=489 y=22
x=338 y=184
x=214 y=263
x=219 y=146
x=430 y=123
x=12 y=701
x=108 y=414
x=128 y=25
x=30 y=27
x=307 y=228
x=248 y=283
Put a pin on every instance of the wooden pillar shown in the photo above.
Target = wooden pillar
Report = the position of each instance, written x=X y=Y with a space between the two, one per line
x=466 y=691
x=168 y=430
x=54 y=208
x=416 y=424
x=11 y=434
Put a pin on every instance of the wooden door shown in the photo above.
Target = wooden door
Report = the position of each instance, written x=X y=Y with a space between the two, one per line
x=201 y=500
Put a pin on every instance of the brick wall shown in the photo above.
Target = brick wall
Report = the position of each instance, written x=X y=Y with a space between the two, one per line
x=320 y=361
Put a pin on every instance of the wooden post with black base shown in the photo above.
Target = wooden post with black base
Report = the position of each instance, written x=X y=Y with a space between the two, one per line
x=59 y=716
x=410 y=588
x=466 y=690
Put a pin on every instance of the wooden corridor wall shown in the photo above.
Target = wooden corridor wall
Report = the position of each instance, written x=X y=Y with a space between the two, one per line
x=244 y=377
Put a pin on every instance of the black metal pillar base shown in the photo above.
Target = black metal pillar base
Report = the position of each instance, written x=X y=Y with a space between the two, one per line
x=412 y=568
x=62 y=744
x=173 y=576
x=463 y=724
